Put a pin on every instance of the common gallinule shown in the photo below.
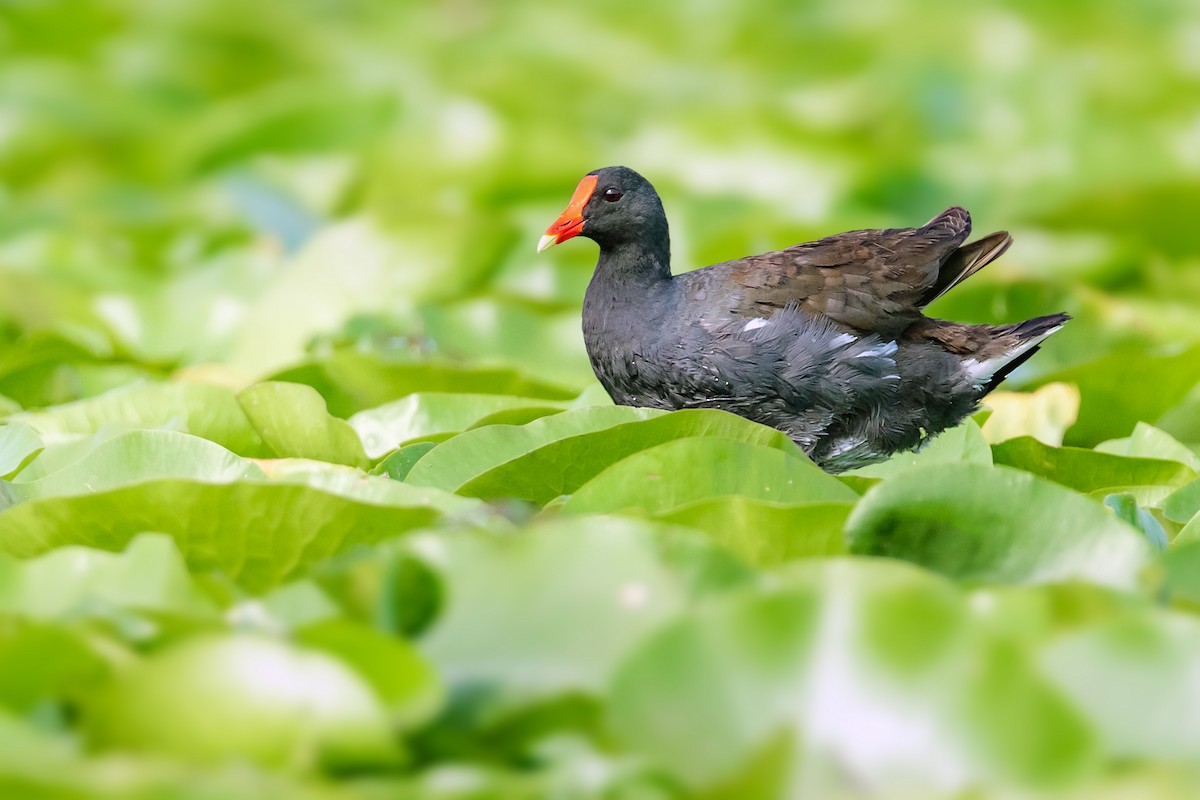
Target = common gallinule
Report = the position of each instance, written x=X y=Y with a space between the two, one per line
x=824 y=341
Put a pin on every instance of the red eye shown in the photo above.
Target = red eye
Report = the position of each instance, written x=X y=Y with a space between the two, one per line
x=612 y=195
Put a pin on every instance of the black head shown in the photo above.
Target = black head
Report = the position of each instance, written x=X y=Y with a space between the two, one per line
x=613 y=206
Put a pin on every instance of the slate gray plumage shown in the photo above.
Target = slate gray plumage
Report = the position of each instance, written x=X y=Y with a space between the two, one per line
x=825 y=340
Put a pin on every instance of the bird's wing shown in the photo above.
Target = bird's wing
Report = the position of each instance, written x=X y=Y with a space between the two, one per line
x=870 y=280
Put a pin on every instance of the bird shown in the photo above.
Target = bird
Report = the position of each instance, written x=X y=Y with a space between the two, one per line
x=826 y=340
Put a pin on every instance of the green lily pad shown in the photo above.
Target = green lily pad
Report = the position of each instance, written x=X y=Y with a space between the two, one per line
x=840 y=645
x=293 y=421
x=211 y=412
x=469 y=455
x=996 y=525
x=134 y=457
x=1089 y=470
x=18 y=445
x=764 y=533
x=1182 y=565
x=562 y=466
x=1045 y=414
x=1148 y=441
x=550 y=610
x=1130 y=677
x=684 y=471
x=149 y=575
x=353 y=381
x=407 y=685
x=1113 y=403
x=1183 y=503
x=424 y=414
x=257 y=532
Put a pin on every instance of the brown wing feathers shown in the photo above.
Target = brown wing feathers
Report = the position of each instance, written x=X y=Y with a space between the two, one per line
x=876 y=280
x=966 y=261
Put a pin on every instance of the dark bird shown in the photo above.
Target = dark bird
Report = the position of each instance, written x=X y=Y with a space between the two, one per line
x=824 y=341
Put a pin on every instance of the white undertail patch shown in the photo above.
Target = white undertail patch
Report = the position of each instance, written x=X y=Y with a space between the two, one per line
x=980 y=372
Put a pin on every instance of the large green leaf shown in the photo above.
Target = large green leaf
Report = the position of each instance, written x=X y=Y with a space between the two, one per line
x=998 y=525
x=405 y=683
x=1122 y=389
x=1183 y=503
x=1182 y=566
x=41 y=662
x=469 y=455
x=293 y=422
x=1190 y=532
x=1134 y=678
x=551 y=609
x=149 y=575
x=563 y=465
x=765 y=533
x=205 y=410
x=18 y=445
x=844 y=647
x=546 y=342
x=1148 y=441
x=428 y=413
x=686 y=471
x=255 y=531
x=352 y=381
x=1089 y=470
x=1045 y=414
x=138 y=456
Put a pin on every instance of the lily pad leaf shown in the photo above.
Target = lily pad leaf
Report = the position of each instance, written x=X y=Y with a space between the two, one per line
x=1045 y=414
x=18 y=445
x=138 y=456
x=1184 y=503
x=150 y=575
x=1148 y=441
x=563 y=466
x=998 y=525
x=684 y=471
x=474 y=453
x=1135 y=668
x=421 y=414
x=763 y=533
x=1088 y=470
x=40 y=661
x=293 y=421
x=353 y=381
x=398 y=464
x=602 y=585
x=257 y=532
x=404 y=681
x=1125 y=506
x=1182 y=564
x=206 y=410
x=842 y=644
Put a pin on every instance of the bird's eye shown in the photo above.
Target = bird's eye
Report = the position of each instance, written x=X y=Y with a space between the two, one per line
x=612 y=195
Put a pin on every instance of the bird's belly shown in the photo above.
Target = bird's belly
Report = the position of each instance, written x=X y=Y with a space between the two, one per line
x=634 y=375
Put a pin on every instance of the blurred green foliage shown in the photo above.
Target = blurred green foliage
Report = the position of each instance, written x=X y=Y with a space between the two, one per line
x=307 y=490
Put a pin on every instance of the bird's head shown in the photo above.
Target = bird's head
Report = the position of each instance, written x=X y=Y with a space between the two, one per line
x=611 y=206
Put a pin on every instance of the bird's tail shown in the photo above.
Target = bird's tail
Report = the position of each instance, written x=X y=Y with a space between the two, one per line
x=989 y=353
x=1010 y=347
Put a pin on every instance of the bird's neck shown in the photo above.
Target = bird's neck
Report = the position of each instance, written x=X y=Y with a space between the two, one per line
x=637 y=262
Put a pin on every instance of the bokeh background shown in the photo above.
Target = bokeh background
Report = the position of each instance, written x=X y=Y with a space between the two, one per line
x=199 y=196
x=216 y=181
